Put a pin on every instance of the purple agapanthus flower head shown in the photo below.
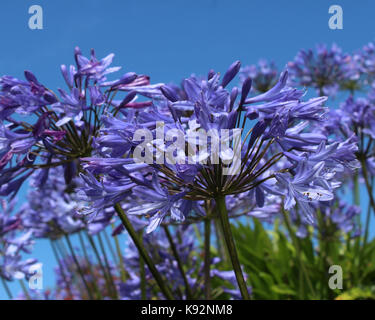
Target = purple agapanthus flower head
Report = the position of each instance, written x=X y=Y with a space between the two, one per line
x=264 y=75
x=57 y=129
x=326 y=69
x=50 y=211
x=14 y=243
x=282 y=131
x=23 y=97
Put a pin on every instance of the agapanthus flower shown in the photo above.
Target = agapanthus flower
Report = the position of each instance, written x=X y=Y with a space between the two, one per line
x=304 y=188
x=325 y=70
x=264 y=75
x=204 y=151
x=337 y=216
x=352 y=124
x=23 y=97
x=358 y=115
x=50 y=211
x=282 y=129
x=66 y=123
x=157 y=203
x=365 y=58
x=14 y=243
x=249 y=204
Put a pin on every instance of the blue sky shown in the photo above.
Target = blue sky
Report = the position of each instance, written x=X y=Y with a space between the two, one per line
x=170 y=39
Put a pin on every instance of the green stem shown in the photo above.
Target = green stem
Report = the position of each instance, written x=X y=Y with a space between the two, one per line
x=78 y=267
x=142 y=272
x=98 y=258
x=6 y=287
x=207 y=259
x=219 y=241
x=356 y=199
x=224 y=219
x=109 y=245
x=110 y=277
x=198 y=234
x=368 y=186
x=24 y=290
x=356 y=190
x=296 y=243
x=60 y=246
x=96 y=289
x=367 y=226
x=62 y=268
x=364 y=246
x=142 y=251
x=324 y=253
x=189 y=294
x=120 y=258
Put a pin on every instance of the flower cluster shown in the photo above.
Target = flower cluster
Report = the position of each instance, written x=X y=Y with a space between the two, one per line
x=13 y=243
x=127 y=154
x=175 y=188
x=326 y=70
x=65 y=126
x=264 y=75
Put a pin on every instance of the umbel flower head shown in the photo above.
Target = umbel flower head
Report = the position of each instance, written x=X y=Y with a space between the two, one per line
x=279 y=154
x=175 y=149
x=59 y=129
x=164 y=155
x=50 y=211
x=13 y=243
x=326 y=70
x=264 y=75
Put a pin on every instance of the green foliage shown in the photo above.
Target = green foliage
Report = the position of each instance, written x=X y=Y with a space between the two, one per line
x=366 y=293
x=281 y=267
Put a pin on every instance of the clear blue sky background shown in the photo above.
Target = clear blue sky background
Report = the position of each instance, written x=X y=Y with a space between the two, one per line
x=170 y=39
